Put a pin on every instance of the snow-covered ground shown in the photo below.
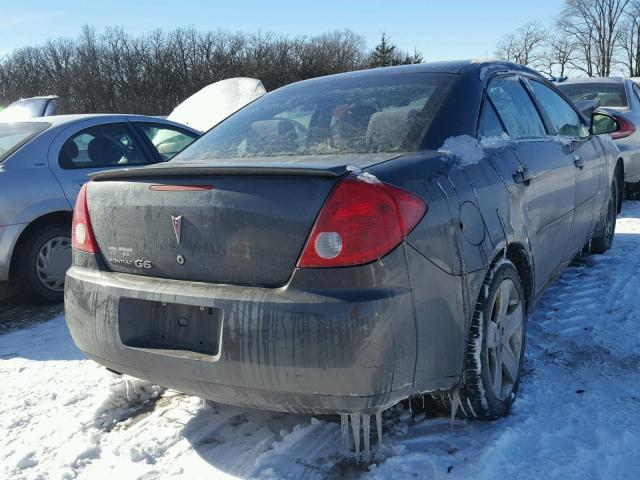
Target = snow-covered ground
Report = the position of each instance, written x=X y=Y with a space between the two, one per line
x=577 y=415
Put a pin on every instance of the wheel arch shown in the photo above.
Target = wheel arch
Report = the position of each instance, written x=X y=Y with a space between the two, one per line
x=52 y=218
x=517 y=254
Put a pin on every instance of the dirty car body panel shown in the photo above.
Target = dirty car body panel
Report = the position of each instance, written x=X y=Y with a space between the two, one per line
x=198 y=279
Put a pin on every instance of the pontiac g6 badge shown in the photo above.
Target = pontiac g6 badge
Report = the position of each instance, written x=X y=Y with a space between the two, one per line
x=177 y=226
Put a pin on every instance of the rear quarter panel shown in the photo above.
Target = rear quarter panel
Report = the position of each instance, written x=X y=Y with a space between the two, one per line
x=466 y=226
x=28 y=189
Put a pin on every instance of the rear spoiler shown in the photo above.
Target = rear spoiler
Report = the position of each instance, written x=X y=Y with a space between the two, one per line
x=189 y=170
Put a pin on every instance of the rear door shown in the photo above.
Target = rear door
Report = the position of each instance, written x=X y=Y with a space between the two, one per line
x=83 y=149
x=580 y=150
x=545 y=178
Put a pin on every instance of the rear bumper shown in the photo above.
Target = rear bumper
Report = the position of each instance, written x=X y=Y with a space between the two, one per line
x=631 y=160
x=9 y=235
x=328 y=349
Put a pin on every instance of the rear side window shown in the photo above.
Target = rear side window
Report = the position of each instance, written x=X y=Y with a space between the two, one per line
x=14 y=135
x=636 y=91
x=606 y=94
x=515 y=108
x=490 y=126
x=109 y=145
x=564 y=119
x=167 y=140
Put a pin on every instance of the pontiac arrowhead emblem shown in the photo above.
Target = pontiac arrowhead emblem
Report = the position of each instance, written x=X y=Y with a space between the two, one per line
x=177 y=226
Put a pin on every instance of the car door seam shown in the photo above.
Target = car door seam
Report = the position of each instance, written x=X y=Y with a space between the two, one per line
x=553 y=222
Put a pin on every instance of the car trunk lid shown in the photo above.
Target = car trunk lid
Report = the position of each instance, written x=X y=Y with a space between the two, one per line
x=243 y=223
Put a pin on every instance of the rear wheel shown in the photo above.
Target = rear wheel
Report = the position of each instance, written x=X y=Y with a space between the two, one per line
x=42 y=262
x=603 y=243
x=495 y=348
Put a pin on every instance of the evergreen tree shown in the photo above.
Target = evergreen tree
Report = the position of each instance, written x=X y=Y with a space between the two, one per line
x=386 y=54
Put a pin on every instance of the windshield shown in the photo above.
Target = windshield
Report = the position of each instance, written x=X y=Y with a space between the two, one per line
x=13 y=135
x=329 y=116
x=606 y=94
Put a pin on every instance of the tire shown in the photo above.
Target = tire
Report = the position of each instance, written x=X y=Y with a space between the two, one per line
x=487 y=392
x=42 y=262
x=603 y=243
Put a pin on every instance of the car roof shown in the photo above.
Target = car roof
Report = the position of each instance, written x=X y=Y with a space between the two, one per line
x=450 y=66
x=485 y=67
x=56 y=121
x=612 y=80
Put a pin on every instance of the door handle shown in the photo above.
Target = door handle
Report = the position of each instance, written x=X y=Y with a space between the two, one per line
x=523 y=175
x=578 y=161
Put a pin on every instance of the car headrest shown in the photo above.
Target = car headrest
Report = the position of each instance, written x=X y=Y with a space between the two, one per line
x=272 y=136
x=103 y=151
x=388 y=131
x=351 y=123
x=68 y=153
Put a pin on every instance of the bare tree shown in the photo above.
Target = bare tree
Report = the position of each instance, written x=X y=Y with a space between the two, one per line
x=524 y=46
x=594 y=26
x=630 y=39
x=558 y=50
x=152 y=73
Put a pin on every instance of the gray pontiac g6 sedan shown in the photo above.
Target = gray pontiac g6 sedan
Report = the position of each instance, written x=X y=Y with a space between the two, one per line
x=347 y=242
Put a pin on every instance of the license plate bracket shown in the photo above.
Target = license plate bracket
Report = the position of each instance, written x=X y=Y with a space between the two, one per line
x=171 y=328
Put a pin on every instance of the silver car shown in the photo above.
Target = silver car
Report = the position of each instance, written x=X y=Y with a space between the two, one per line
x=43 y=164
x=620 y=98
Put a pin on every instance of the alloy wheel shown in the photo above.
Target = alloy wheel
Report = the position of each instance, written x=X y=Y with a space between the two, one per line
x=504 y=339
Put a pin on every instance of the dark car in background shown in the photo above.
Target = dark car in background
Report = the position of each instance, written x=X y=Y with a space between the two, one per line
x=346 y=242
x=619 y=98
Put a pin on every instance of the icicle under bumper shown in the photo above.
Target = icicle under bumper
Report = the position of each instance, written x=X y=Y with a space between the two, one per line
x=361 y=437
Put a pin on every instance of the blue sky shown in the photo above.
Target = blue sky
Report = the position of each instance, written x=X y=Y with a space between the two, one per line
x=440 y=29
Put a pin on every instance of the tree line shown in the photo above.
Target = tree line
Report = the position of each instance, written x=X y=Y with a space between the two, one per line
x=151 y=73
x=595 y=38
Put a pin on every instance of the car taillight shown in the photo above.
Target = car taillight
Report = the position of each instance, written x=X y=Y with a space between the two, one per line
x=82 y=237
x=360 y=222
x=625 y=129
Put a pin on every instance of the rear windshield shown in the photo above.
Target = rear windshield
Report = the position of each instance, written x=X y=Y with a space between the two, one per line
x=339 y=115
x=14 y=135
x=606 y=94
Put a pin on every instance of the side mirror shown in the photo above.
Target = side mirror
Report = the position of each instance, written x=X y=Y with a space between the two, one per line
x=587 y=107
x=602 y=123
